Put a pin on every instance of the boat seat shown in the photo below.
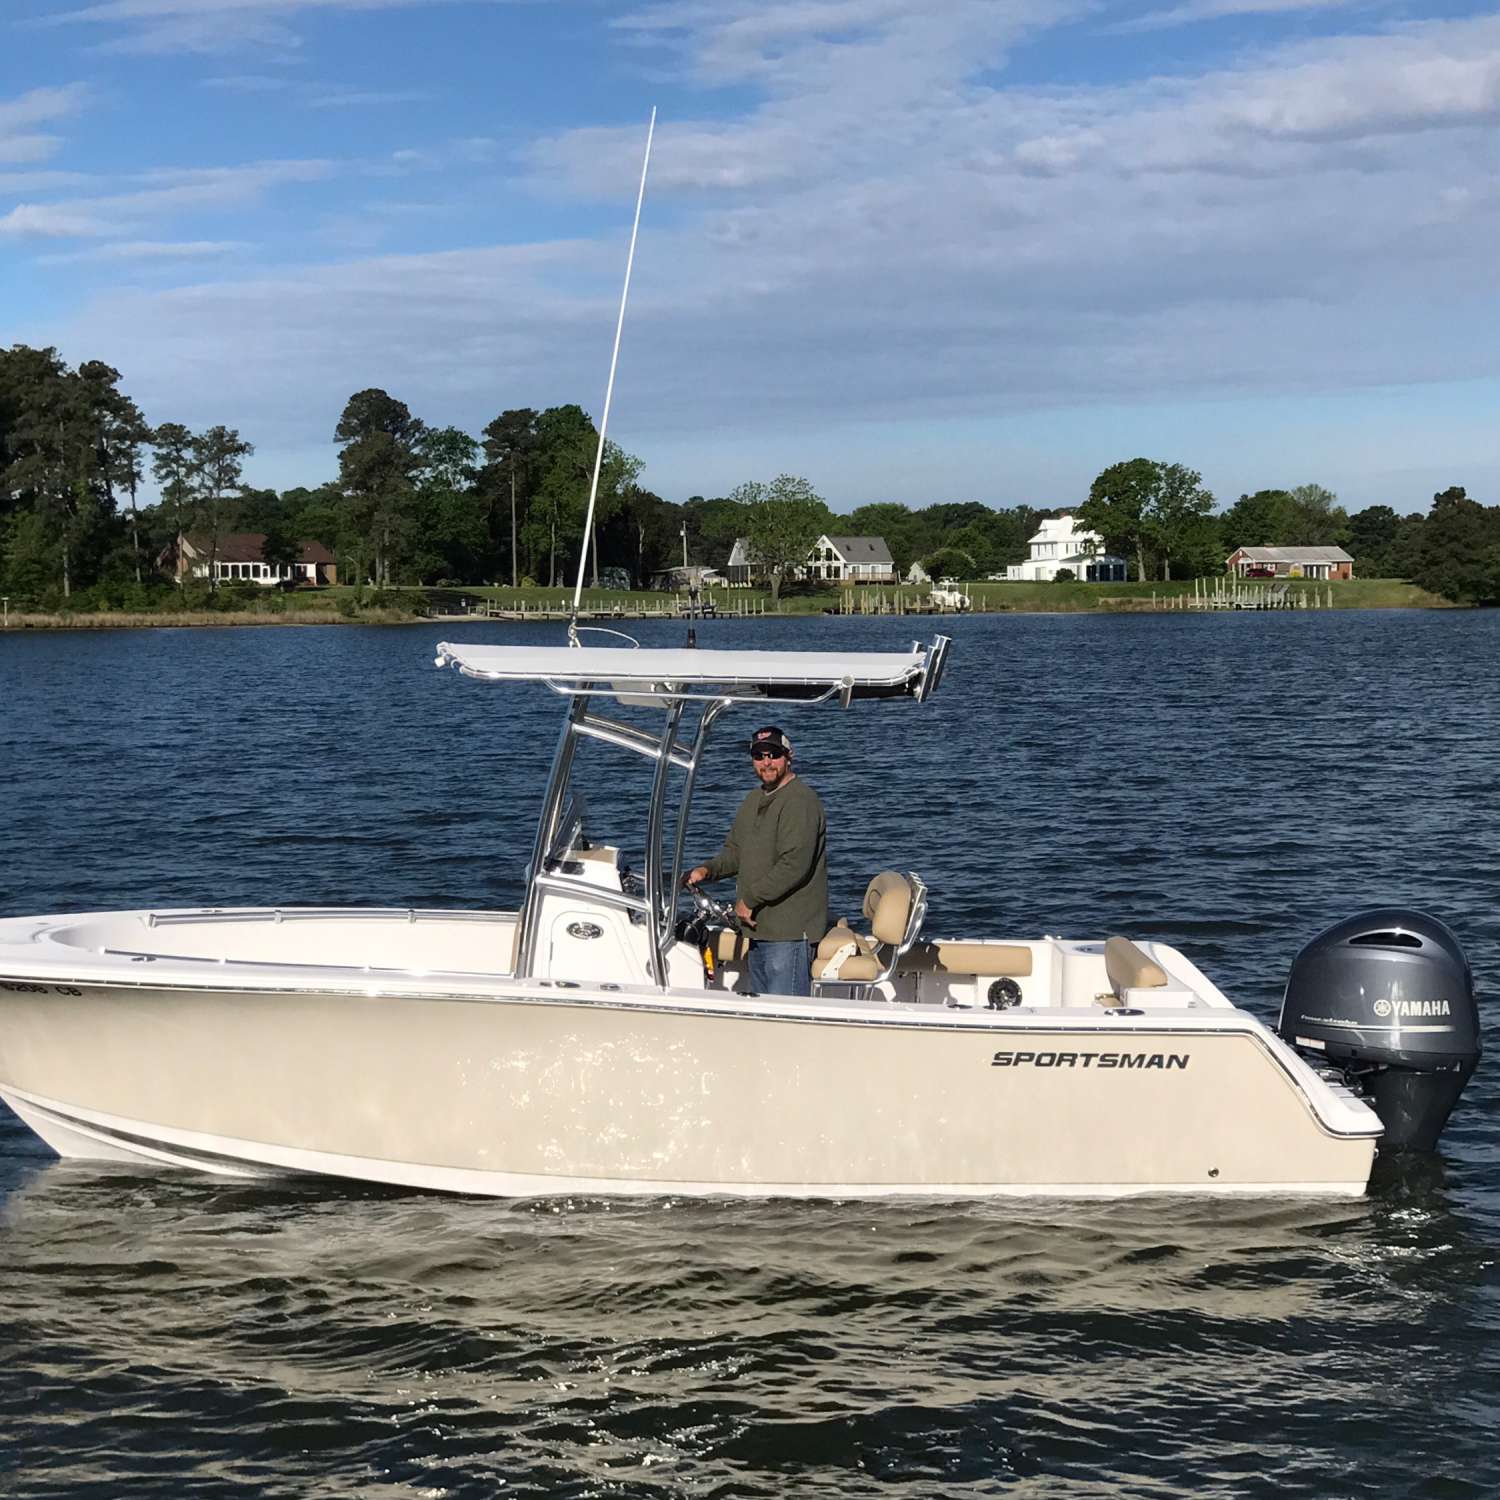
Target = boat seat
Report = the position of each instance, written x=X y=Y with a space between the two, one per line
x=1128 y=968
x=731 y=947
x=894 y=905
x=977 y=960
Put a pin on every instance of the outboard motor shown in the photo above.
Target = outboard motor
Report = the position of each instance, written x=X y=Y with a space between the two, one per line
x=1388 y=996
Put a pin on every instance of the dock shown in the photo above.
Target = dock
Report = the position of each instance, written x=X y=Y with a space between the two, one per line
x=1238 y=593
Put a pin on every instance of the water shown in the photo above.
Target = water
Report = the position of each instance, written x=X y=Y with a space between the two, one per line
x=1229 y=784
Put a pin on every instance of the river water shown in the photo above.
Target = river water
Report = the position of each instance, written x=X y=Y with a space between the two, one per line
x=1228 y=783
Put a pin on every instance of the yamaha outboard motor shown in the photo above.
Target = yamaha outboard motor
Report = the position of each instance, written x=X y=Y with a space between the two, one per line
x=1388 y=997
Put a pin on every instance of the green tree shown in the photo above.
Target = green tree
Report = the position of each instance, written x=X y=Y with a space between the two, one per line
x=173 y=468
x=950 y=562
x=377 y=466
x=1263 y=519
x=782 y=521
x=1372 y=536
x=218 y=459
x=510 y=447
x=1459 y=553
x=53 y=420
x=893 y=521
x=1317 y=519
x=450 y=514
x=1178 y=521
x=1118 y=508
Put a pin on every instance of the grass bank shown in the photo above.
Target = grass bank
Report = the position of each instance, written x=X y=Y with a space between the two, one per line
x=347 y=605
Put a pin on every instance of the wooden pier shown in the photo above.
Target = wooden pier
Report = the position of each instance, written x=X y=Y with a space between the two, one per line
x=1239 y=593
x=606 y=610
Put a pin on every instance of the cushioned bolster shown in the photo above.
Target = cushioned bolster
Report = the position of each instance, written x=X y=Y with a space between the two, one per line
x=888 y=905
x=1128 y=968
x=987 y=959
x=732 y=947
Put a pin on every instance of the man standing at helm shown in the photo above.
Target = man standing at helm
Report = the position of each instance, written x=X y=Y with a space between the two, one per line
x=777 y=849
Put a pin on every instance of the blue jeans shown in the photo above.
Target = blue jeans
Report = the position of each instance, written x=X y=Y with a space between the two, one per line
x=781 y=968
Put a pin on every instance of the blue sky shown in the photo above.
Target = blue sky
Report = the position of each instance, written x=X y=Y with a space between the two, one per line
x=959 y=249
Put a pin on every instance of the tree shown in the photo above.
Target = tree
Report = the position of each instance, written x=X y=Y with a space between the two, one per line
x=1459 y=553
x=510 y=445
x=782 y=521
x=1118 y=508
x=377 y=465
x=1372 y=536
x=218 y=455
x=450 y=523
x=1177 y=520
x=1263 y=519
x=893 y=521
x=950 y=562
x=53 y=418
x=1317 y=519
x=173 y=468
x=653 y=533
x=281 y=547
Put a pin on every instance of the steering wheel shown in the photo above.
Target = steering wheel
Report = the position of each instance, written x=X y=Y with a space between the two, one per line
x=720 y=912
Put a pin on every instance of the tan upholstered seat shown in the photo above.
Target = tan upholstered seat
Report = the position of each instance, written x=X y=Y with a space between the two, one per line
x=894 y=905
x=981 y=960
x=858 y=960
x=1129 y=969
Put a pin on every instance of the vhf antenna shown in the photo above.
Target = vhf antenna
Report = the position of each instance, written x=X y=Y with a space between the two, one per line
x=609 y=391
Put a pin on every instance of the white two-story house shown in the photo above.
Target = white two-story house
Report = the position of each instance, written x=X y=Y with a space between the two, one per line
x=1060 y=543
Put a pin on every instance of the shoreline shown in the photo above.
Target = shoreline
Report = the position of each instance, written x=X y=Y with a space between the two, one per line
x=1414 y=598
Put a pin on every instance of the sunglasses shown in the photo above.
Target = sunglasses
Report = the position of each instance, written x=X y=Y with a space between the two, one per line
x=767 y=754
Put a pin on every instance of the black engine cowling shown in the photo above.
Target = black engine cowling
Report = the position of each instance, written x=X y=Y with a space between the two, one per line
x=1388 y=996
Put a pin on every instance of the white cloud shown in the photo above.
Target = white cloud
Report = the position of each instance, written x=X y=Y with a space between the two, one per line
x=46 y=221
x=146 y=251
x=211 y=26
x=163 y=194
x=20 y=141
x=1216 y=10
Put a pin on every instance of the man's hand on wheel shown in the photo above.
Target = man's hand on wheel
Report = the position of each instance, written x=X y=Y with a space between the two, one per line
x=697 y=874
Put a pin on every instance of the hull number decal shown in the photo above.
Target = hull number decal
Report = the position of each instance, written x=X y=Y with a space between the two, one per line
x=1166 y=1060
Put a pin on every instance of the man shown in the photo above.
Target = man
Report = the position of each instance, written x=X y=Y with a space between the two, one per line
x=778 y=850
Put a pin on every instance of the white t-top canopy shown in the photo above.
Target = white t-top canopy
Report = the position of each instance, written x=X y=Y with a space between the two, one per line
x=677 y=671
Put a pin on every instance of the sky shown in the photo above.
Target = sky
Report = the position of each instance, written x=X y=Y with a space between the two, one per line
x=935 y=251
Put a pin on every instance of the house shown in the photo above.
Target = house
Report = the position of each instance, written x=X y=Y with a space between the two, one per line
x=1058 y=544
x=741 y=570
x=851 y=559
x=1331 y=563
x=237 y=559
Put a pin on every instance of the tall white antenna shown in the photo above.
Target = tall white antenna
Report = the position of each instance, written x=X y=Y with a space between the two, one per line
x=609 y=391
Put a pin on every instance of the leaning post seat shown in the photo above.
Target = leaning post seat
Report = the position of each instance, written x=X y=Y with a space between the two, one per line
x=894 y=906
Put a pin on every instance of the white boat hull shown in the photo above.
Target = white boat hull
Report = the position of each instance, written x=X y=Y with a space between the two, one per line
x=609 y=1093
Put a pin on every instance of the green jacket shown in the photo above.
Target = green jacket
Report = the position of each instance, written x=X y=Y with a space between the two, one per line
x=778 y=849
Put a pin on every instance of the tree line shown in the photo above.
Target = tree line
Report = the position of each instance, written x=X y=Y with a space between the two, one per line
x=418 y=504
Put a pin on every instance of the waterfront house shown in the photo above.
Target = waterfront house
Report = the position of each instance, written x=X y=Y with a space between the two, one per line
x=851 y=559
x=237 y=558
x=741 y=570
x=1060 y=543
x=1332 y=564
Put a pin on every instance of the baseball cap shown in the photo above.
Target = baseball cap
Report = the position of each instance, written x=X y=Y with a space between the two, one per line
x=770 y=738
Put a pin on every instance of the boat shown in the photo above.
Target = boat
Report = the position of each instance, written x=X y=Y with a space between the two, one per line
x=948 y=597
x=602 y=1038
